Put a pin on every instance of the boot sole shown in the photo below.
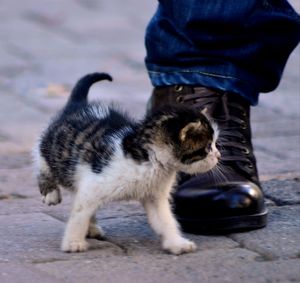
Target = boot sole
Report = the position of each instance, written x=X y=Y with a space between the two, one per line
x=224 y=225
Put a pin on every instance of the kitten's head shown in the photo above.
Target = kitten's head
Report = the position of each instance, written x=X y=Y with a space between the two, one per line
x=188 y=137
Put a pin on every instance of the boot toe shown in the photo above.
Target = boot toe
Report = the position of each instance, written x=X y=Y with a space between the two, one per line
x=223 y=208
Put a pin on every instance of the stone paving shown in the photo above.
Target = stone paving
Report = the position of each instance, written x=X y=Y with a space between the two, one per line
x=45 y=47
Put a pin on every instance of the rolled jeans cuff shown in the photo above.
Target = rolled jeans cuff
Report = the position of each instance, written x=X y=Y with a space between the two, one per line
x=161 y=76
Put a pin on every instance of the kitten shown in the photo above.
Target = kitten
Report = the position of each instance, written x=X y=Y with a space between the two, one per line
x=103 y=155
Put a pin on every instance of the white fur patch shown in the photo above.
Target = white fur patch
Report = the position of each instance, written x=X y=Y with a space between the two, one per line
x=38 y=161
x=100 y=111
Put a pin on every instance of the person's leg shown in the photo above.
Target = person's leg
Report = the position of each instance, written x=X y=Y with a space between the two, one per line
x=236 y=46
x=220 y=55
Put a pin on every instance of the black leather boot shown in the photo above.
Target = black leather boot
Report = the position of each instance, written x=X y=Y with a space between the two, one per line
x=229 y=198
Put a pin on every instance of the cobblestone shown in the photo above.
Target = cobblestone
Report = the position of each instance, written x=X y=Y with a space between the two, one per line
x=45 y=47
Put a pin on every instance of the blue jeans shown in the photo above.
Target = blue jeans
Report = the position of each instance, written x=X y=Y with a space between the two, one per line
x=236 y=46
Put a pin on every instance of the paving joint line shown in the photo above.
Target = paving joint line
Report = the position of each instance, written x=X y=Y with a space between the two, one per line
x=262 y=257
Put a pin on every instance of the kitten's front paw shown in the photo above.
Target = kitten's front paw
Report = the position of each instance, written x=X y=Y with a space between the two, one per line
x=179 y=246
x=52 y=198
x=74 y=246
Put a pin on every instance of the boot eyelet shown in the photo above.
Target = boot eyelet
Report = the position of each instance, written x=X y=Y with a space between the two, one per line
x=243 y=126
x=244 y=114
x=179 y=99
x=178 y=88
x=250 y=166
x=243 y=141
x=246 y=150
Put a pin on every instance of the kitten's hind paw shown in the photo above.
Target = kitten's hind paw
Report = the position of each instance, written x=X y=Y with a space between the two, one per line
x=179 y=246
x=95 y=232
x=74 y=246
x=52 y=198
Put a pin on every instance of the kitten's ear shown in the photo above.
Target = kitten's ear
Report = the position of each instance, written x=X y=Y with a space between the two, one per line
x=191 y=130
x=204 y=111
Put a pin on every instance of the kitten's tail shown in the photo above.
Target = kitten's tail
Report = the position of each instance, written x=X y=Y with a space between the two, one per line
x=80 y=91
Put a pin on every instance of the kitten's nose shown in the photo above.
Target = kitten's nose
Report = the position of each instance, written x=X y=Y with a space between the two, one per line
x=218 y=155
